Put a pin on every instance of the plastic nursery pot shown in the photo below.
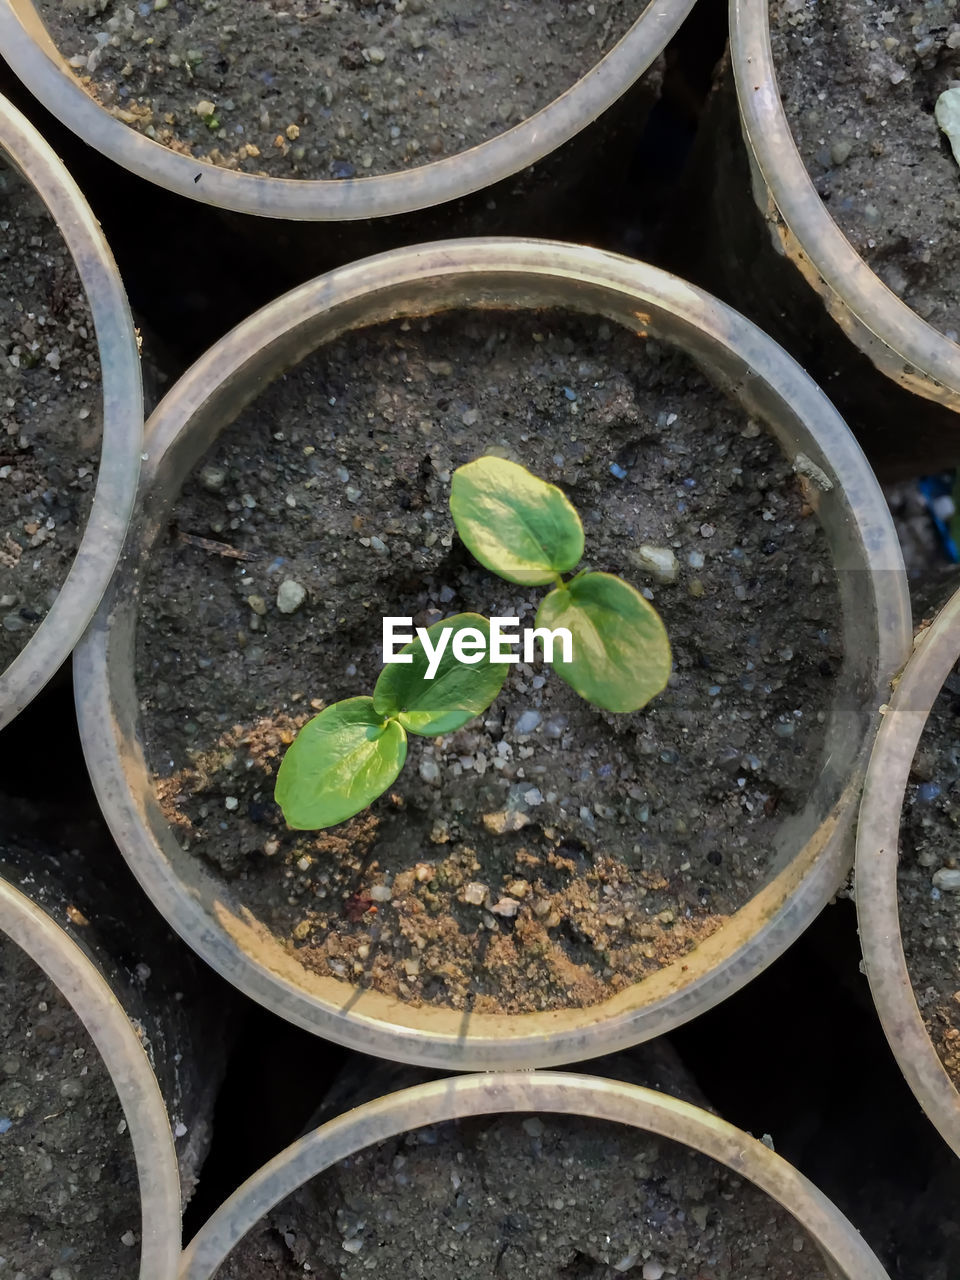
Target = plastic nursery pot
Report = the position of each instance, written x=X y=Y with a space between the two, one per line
x=904 y=347
x=842 y=1248
x=184 y=1016
x=27 y=47
x=70 y=969
x=121 y=441
x=878 y=842
x=815 y=853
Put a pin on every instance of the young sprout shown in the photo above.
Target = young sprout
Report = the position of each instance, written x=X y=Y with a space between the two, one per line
x=528 y=531
x=350 y=753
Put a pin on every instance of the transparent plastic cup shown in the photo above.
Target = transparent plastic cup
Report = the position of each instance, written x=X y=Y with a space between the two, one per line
x=898 y=341
x=80 y=980
x=27 y=47
x=119 y=468
x=843 y=1250
x=814 y=847
x=878 y=845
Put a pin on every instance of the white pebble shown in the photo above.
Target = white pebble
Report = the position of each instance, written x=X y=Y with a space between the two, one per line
x=660 y=561
x=290 y=596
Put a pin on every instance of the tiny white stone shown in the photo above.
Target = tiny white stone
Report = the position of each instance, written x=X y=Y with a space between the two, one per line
x=528 y=721
x=946 y=878
x=290 y=596
x=381 y=893
x=475 y=893
x=507 y=907
x=660 y=561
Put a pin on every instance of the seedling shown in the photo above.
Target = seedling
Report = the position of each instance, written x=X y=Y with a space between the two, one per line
x=529 y=532
x=350 y=753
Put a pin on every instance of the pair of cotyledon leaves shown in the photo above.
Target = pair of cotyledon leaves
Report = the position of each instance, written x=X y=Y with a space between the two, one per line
x=526 y=531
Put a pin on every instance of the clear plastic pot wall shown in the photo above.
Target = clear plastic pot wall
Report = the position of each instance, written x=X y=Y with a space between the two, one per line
x=185 y=1016
x=731 y=239
x=841 y=1246
x=878 y=844
x=900 y=344
x=119 y=465
x=28 y=49
x=814 y=848
x=70 y=969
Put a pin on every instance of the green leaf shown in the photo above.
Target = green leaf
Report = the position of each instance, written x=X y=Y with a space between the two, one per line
x=621 y=654
x=339 y=762
x=515 y=524
x=456 y=693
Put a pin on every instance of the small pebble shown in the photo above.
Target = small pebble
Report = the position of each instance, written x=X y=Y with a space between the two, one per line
x=290 y=596
x=213 y=479
x=660 y=561
x=946 y=878
x=527 y=722
x=507 y=907
x=505 y=821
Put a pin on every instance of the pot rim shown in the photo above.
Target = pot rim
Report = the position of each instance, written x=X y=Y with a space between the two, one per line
x=870 y=313
x=516 y=1092
x=106 y=1022
x=30 y=52
x=878 y=845
x=122 y=398
x=439 y=276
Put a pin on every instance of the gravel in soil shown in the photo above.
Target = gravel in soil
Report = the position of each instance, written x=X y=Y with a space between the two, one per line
x=331 y=88
x=928 y=875
x=50 y=412
x=537 y=1198
x=547 y=854
x=69 y=1201
x=858 y=83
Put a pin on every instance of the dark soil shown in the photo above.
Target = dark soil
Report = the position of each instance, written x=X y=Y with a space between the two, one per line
x=50 y=412
x=618 y=841
x=929 y=852
x=528 y=1198
x=69 y=1201
x=859 y=83
x=331 y=88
